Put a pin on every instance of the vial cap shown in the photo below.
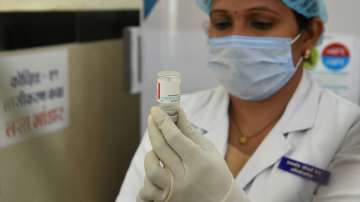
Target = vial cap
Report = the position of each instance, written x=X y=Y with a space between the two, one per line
x=169 y=74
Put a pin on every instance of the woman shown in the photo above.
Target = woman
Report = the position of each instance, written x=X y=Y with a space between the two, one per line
x=269 y=133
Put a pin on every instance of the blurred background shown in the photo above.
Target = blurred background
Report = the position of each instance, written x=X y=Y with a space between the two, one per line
x=80 y=152
x=77 y=79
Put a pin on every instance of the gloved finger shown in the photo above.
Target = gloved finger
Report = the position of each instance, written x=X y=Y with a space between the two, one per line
x=182 y=145
x=150 y=192
x=163 y=150
x=192 y=133
x=158 y=176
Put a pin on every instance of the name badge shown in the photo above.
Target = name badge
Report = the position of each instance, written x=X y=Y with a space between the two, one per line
x=305 y=171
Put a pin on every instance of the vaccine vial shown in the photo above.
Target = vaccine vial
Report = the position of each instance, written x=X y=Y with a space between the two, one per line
x=168 y=92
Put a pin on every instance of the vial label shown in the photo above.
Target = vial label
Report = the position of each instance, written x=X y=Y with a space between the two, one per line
x=168 y=92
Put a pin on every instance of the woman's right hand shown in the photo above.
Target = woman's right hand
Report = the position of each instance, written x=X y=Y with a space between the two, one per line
x=194 y=171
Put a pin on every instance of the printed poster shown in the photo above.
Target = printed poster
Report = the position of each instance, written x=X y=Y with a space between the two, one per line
x=335 y=65
x=34 y=94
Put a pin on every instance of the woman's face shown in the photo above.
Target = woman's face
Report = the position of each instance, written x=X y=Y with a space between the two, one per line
x=266 y=18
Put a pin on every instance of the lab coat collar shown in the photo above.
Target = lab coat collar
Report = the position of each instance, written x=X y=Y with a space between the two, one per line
x=271 y=150
x=208 y=111
x=218 y=122
x=301 y=112
x=299 y=115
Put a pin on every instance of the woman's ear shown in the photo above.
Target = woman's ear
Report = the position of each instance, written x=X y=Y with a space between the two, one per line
x=313 y=34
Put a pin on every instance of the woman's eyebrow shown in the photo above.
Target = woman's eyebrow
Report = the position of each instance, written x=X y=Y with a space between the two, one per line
x=221 y=11
x=260 y=8
x=263 y=8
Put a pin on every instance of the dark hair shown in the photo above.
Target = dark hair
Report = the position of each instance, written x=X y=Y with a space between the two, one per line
x=303 y=22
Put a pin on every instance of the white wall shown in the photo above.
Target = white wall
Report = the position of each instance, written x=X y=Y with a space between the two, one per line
x=344 y=16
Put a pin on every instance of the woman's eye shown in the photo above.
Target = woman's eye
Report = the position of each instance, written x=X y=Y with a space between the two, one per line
x=261 y=25
x=222 y=25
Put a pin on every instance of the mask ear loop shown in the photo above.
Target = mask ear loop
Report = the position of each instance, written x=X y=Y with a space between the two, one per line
x=302 y=57
x=299 y=63
x=296 y=38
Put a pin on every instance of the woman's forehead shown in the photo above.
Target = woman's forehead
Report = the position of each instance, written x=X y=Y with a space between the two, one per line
x=243 y=5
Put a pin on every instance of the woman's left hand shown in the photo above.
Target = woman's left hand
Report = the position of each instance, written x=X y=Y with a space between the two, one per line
x=193 y=170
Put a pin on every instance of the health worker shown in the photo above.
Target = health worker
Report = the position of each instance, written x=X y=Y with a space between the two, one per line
x=269 y=133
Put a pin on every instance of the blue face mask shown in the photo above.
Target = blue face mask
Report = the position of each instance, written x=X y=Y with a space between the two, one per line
x=252 y=68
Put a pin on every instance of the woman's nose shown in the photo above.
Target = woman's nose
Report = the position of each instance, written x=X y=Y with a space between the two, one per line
x=239 y=28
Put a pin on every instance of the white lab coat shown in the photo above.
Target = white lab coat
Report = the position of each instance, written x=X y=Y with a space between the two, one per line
x=317 y=128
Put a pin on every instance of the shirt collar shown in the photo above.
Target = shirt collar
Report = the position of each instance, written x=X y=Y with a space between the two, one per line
x=210 y=115
x=300 y=114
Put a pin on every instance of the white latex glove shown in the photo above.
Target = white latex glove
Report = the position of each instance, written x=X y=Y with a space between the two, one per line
x=194 y=171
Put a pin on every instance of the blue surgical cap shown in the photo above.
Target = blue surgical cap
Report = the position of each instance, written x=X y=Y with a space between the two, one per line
x=307 y=8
